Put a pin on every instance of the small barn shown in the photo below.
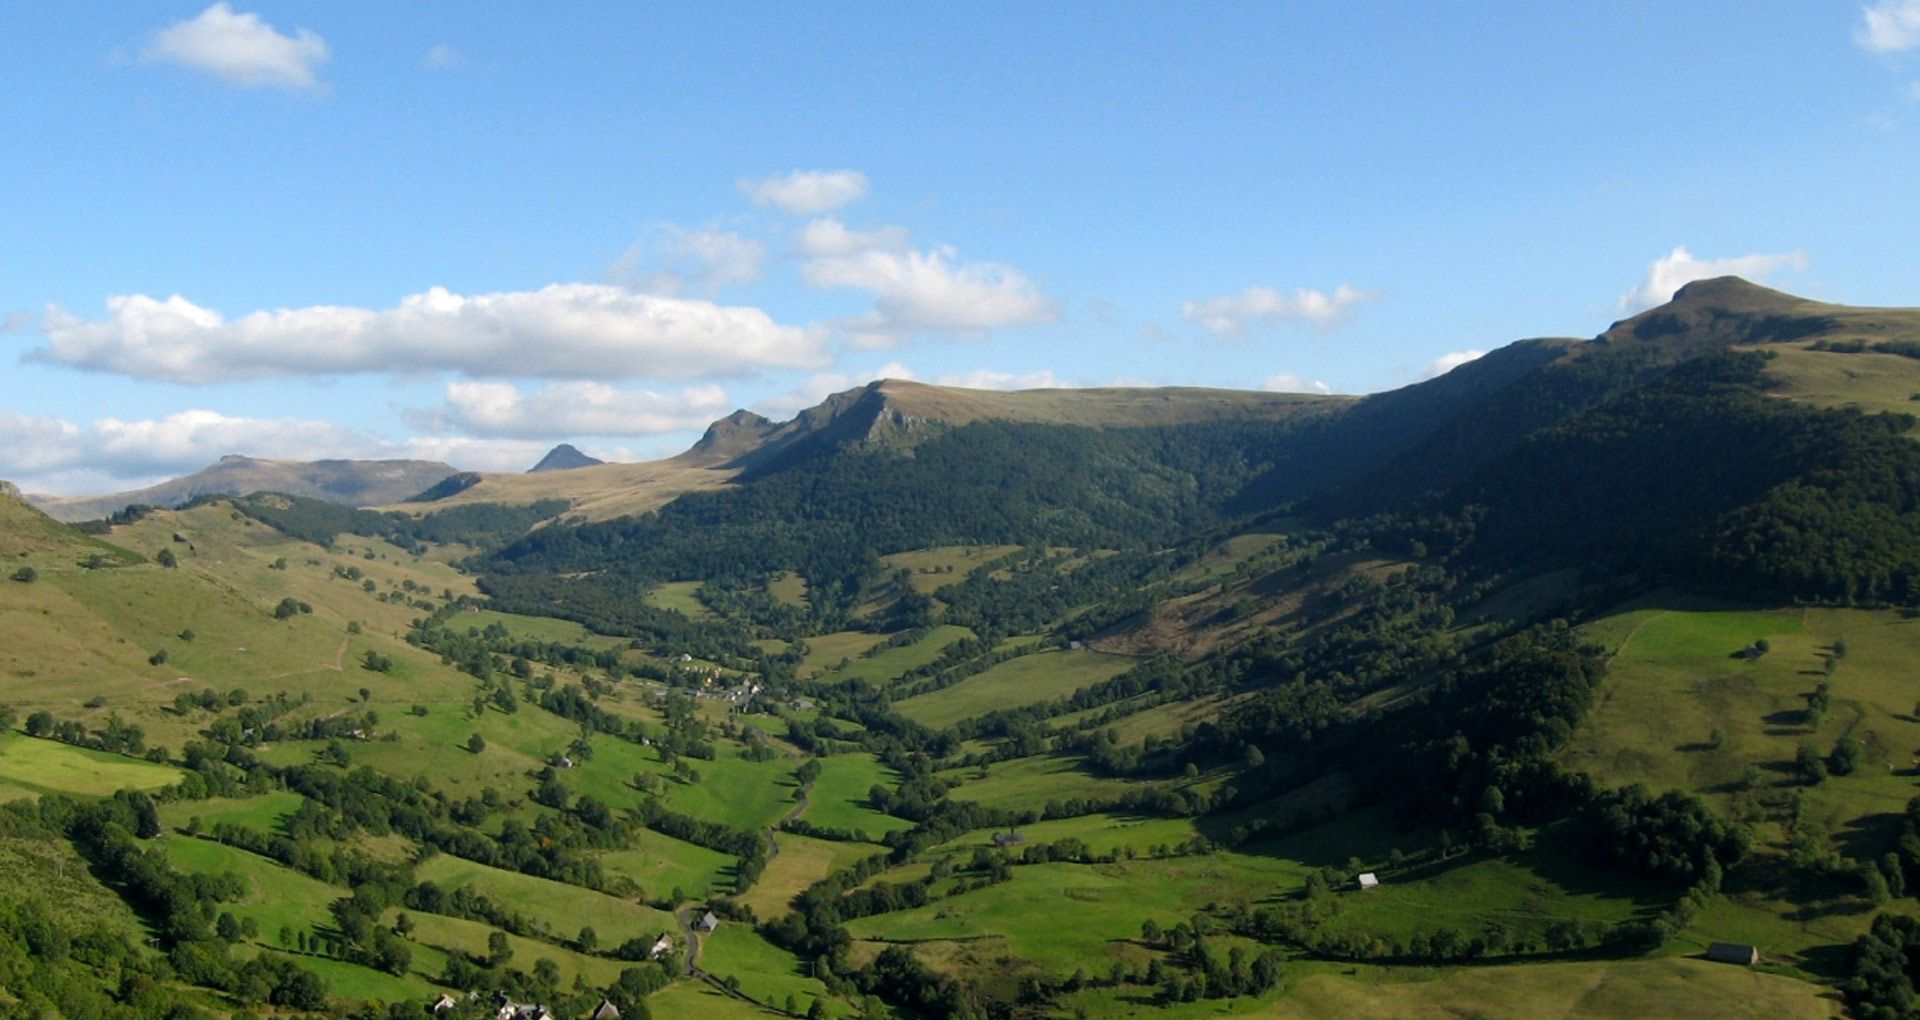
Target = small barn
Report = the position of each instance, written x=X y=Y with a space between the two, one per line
x=708 y=922
x=607 y=1011
x=1368 y=880
x=1008 y=838
x=1733 y=952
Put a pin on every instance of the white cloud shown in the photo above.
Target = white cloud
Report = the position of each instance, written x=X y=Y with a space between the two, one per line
x=916 y=292
x=442 y=58
x=241 y=49
x=1889 y=26
x=48 y=454
x=1232 y=314
x=1287 y=382
x=988 y=379
x=829 y=238
x=1448 y=362
x=566 y=409
x=807 y=192
x=1680 y=268
x=564 y=331
x=707 y=260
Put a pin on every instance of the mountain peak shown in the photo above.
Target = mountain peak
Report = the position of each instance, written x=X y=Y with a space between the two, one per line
x=1732 y=293
x=564 y=457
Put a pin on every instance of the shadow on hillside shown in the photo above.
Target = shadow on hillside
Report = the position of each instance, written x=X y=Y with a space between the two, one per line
x=1868 y=837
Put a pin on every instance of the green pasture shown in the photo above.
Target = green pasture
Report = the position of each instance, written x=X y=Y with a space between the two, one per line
x=826 y=650
x=276 y=896
x=1041 y=676
x=30 y=766
x=262 y=813
x=659 y=864
x=556 y=903
x=890 y=663
x=802 y=861
x=838 y=799
x=680 y=597
x=765 y=971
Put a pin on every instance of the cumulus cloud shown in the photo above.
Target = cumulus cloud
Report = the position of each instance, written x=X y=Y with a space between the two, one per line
x=1232 y=314
x=706 y=260
x=241 y=49
x=564 y=409
x=1287 y=382
x=1680 y=268
x=49 y=454
x=564 y=331
x=1889 y=26
x=1448 y=362
x=916 y=292
x=807 y=192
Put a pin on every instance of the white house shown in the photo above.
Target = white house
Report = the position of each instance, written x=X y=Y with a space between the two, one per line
x=1369 y=880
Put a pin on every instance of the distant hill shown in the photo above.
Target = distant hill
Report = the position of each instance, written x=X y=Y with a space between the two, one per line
x=26 y=533
x=564 y=457
x=889 y=413
x=347 y=482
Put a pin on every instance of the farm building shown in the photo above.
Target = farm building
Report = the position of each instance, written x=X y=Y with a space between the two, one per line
x=606 y=1011
x=1008 y=838
x=1369 y=880
x=443 y=1004
x=708 y=923
x=661 y=947
x=1733 y=952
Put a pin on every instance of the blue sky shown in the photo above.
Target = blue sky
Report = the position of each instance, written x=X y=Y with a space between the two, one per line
x=467 y=232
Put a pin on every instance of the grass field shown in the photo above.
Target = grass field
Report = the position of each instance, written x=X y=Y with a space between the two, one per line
x=276 y=896
x=1673 y=684
x=1041 y=676
x=934 y=569
x=889 y=664
x=538 y=628
x=1869 y=381
x=1032 y=782
x=452 y=933
x=731 y=790
x=826 y=650
x=262 y=813
x=680 y=597
x=564 y=906
x=802 y=861
x=838 y=799
x=1534 y=991
x=660 y=864
x=698 y=999
x=30 y=767
x=765 y=971
x=789 y=588
x=1066 y=916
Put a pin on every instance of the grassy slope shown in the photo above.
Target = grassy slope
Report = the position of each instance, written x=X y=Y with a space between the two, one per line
x=30 y=767
x=890 y=663
x=1041 y=676
x=1672 y=685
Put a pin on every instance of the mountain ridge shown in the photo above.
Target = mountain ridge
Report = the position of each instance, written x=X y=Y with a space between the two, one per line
x=349 y=482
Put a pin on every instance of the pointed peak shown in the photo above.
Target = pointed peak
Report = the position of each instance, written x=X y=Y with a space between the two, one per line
x=564 y=457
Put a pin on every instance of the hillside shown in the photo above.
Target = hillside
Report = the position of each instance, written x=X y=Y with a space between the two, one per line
x=886 y=412
x=348 y=482
x=953 y=704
